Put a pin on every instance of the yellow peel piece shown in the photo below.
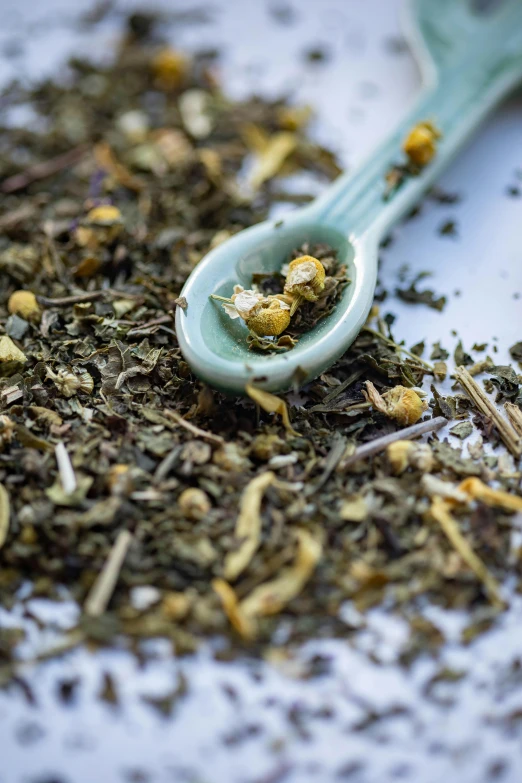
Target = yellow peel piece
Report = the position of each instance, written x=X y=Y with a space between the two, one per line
x=232 y=609
x=271 y=404
x=269 y=162
x=271 y=597
x=4 y=514
x=440 y=513
x=248 y=526
x=477 y=490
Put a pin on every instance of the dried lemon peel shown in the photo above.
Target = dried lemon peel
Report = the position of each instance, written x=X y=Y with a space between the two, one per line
x=248 y=526
x=404 y=454
x=272 y=596
x=7 y=428
x=400 y=403
x=10 y=355
x=475 y=489
x=440 y=513
x=304 y=280
x=4 y=514
x=271 y=404
x=24 y=304
x=420 y=145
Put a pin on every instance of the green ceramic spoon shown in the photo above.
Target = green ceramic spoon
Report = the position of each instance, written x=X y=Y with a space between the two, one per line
x=471 y=57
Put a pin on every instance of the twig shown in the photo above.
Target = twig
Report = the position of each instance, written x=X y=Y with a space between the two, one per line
x=440 y=513
x=42 y=170
x=482 y=402
x=103 y=588
x=409 y=433
x=192 y=427
x=65 y=469
x=397 y=347
x=515 y=416
x=164 y=319
x=65 y=301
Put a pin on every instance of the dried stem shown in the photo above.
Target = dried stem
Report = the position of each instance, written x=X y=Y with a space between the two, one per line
x=515 y=416
x=164 y=319
x=65 y=469
x=102 y=590
x=409 y=433
x=482 y=402
x=192 y=427
x=397 y=347
x=42 y=170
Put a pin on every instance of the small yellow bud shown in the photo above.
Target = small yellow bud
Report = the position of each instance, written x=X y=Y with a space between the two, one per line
x=169 y=68
x=194 y=503
x=305 y=280
x=421 y=143
x=119 y=479
x=104 y=215
x=24 y=304
x=400 y=403
x=270 y=320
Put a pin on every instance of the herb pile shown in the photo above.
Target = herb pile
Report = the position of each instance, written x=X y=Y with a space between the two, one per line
x=119 y=470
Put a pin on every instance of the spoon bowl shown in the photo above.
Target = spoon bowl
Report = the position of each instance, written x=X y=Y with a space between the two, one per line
x=215 y=346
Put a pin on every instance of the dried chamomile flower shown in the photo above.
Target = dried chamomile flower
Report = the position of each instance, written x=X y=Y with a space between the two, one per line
x=101 y=226
x=265 y=316
x=242 y=304
x=404 y=454
x=400 y=403
x=420 y=144
x=271 y=318
x=194 y=503
x=169 y=67
x=69 y=384
x=24 y=304
x=305 y=280
x=6 y=430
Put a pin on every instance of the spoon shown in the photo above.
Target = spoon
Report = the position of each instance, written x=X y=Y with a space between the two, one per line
x=470 y=53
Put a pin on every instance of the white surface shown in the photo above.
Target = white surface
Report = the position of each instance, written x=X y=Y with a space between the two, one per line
x=358 y=95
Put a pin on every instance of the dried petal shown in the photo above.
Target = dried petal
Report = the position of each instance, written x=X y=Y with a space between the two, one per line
x=248 y=526
x=271 y=404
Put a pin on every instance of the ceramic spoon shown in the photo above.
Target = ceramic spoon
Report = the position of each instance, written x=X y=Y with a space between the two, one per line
x=470 y=55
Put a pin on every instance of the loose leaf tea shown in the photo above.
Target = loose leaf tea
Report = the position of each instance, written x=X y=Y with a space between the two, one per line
x=120 y=471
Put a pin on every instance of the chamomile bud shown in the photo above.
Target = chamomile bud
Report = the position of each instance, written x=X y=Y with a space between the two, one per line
x=69 y=384
x=400 y=403
x=194 y=503
x=421 y=143
x=305 y=280
x=271 y=318
x=24 y=304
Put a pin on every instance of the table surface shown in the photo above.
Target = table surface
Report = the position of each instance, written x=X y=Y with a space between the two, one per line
x=248 y=722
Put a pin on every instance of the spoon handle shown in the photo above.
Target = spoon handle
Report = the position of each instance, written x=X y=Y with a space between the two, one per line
x=464 y=94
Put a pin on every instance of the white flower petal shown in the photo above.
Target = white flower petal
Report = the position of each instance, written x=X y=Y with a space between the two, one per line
x=302 y=273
